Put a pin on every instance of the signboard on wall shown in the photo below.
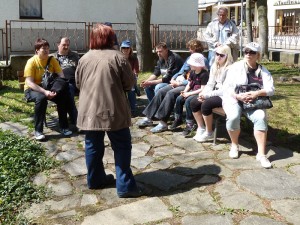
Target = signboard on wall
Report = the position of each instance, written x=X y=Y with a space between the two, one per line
x=286 y=2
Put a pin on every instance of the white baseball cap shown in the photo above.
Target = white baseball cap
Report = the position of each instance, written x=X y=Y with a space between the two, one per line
x=252 y=46
x=197 y=60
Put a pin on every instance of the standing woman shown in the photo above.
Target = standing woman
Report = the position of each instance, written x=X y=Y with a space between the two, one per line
x=211 y=97
x=103 y=76
x=126 y=49
x=244 y=72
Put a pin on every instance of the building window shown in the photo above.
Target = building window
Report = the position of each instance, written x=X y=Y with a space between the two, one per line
x=30 y=9
x=287 y=22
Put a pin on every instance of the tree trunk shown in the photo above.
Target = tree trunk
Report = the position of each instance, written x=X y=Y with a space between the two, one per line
x=143 y=35
x=249 y=21
x=262 y=8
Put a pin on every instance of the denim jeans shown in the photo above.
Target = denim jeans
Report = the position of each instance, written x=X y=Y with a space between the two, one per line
x=94 y=151
x=180 y=101
x=163 y=103
x=72 y=110
x=153 y=89
x=132 y=100
x=211 y=58
x=40 y=100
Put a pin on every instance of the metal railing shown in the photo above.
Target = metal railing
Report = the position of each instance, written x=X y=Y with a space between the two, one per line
x=18 y=36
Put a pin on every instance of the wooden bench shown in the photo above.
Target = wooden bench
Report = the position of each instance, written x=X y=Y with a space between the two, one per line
x=219 y=114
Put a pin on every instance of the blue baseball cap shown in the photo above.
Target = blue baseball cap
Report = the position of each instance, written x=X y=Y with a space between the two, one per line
x=108 y=24
x=126 y=44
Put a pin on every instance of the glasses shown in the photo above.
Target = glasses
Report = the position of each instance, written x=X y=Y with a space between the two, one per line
x=221 y=55
x=250 y=52
x=125 y=47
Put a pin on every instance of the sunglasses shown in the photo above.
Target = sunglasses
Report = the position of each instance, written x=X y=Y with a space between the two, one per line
x=250 y=52
x=221 y=55
x=125 y=47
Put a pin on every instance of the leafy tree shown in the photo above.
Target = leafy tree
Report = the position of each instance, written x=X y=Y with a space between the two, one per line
x=262 y=8
x=143 y=36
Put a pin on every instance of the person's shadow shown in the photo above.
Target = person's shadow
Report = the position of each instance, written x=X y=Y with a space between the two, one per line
x=178 y=179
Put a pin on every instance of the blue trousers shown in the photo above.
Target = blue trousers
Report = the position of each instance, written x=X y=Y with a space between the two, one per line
x=180 y=101
x=94 y=152
x=72 y=110
x=153 y=89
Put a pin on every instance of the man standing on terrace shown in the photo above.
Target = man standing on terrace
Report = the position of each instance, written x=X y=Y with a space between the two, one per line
x=222 y=31
x=169 y=63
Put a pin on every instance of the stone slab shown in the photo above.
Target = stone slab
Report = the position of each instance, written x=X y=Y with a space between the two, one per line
x=271 y=184
x=134 y=213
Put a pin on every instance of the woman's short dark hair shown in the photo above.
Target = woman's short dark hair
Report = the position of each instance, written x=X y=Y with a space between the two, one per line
x=102 y=37
x=40 y=42
x=195 y=45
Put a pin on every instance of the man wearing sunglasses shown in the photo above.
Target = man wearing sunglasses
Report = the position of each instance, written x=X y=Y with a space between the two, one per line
x=222 y=31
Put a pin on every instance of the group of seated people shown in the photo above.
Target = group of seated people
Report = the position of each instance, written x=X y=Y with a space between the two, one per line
x=192 y=84
x=201 y=89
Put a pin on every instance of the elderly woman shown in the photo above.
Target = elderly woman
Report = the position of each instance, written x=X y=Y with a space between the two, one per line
x=34 y=70
x=103 y=76
x=211 y=97
x=245 y=72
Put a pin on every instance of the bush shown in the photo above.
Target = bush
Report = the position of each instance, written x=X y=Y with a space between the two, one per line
x=20 y=160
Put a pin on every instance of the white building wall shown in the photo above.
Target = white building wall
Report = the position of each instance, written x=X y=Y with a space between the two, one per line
x=115 y=11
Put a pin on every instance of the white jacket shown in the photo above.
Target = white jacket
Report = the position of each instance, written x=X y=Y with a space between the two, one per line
x=237 y=75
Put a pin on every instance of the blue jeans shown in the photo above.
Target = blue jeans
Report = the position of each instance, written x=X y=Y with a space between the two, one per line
x=211 y=58
x=72 y=111
x=180 y=101
x=153 y=89
x=94 y=151
x=132 y=100
x=40 y=107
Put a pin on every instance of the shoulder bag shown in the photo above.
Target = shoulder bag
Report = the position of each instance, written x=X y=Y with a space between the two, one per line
x=261 y=102
x=48 y=78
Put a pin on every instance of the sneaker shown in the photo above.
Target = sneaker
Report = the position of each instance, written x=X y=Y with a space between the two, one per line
x=188 y=129
x=66 y=132
x=199 y=132
x=145 y=122
x=263 y=161
x=234 y=152
x=39 y=136
x=176 y=123
x=204 y=137
x=159 y=128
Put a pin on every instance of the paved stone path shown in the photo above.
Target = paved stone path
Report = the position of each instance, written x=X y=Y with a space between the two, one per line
x=191 y=183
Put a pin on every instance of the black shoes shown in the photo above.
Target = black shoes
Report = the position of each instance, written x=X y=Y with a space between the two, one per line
x=189 y=128
x=109 y=180
x=134 y=194
x=176 y=123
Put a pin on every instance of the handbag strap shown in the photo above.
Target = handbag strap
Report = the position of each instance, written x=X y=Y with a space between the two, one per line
x=48 y=63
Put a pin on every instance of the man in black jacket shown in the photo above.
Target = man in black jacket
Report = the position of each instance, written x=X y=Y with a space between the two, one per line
x=68 y=60
x=169 y=63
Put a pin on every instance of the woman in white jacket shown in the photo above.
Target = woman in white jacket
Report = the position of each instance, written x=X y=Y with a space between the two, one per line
x=244 y=72
x=211 y=97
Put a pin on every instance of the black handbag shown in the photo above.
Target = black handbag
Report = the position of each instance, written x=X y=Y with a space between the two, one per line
x=48 y=78
x=261 y=102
